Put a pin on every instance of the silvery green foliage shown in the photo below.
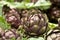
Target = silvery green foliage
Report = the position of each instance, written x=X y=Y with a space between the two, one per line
x=41 y=4
x=40 y=38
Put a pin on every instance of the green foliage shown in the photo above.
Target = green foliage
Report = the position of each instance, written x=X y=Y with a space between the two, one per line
x=26 y=1
x=24 y=38
x=12 y=38
x=40 y=38
x=9 y=0
x=52 y=25
x=43 y=5
x=3 y=23
x=20 y=5
x=0 y=9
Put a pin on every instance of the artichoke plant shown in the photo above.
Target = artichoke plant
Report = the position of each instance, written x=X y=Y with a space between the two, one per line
x=32 y=18
x=30 y=15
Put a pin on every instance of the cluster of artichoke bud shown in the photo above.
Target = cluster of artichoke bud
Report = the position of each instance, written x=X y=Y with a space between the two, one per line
x=33 y=20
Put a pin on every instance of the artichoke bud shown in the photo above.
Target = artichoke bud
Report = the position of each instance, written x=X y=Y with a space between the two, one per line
x=35 y=24
x=11 y=15
x=56 y=2
x=11 y=34
x=55 y=14
x=54 y=35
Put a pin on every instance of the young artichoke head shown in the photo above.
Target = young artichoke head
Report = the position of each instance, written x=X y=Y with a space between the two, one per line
x=55 y=2
x=9 y=34
x=11 y=15
x=54 y=35
x=35 y=23
x=54 y=14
